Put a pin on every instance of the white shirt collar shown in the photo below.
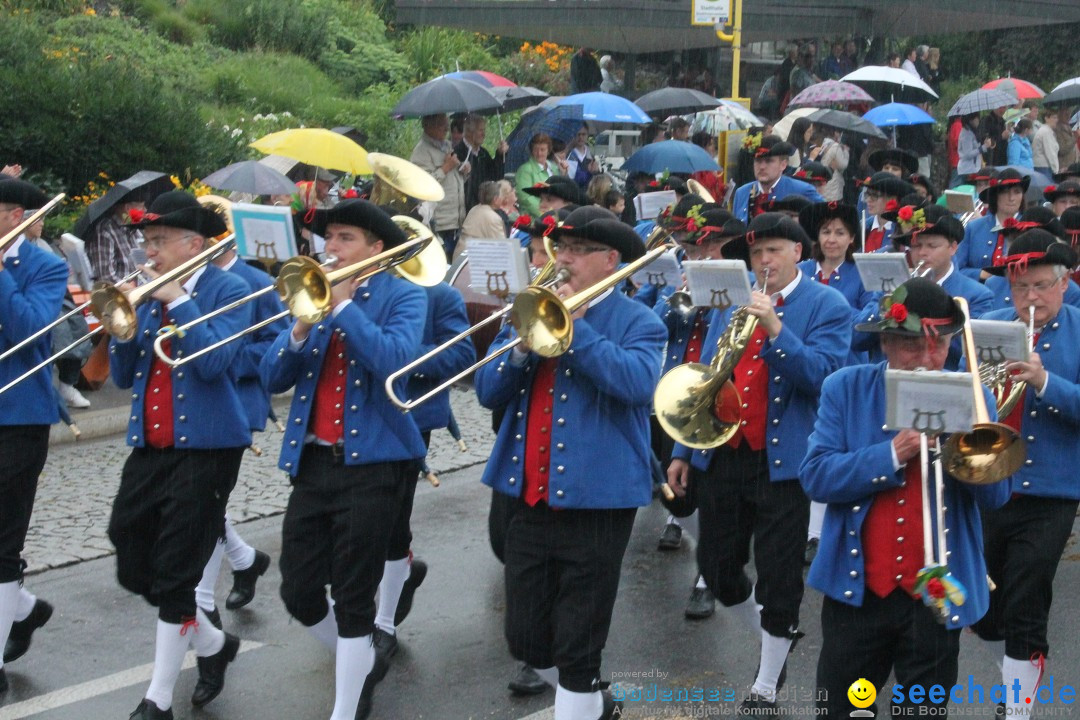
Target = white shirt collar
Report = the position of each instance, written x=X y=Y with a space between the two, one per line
x=952 y=269
x=191 y=282
x=787 y=289
x=13 y=249
x=229 y=265
x=600 y=298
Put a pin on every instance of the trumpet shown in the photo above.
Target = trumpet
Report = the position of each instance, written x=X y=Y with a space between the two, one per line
x=304 y=285
x=996 y=376
x=697 y=405
x=547 y=277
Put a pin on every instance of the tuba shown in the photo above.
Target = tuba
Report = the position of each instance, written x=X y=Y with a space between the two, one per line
x=401 y=185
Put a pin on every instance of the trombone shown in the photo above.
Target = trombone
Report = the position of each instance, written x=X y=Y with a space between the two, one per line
x=304 y=285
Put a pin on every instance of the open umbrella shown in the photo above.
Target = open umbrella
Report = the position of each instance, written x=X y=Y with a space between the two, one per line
x=783 y=125
x=250 y=176
x=895 y=114
x=144 y=185
x=675 y=156
x=981 y=101
x=317 y=146
x=482 y=77
x=518 y=97
x=445 y=95
x=891 y=84
x=1019 y=89
x=560 y=123
x=675 y=101
x=1067 y=93
x=604 y=107
x=829 y=93
x=846 y=121
x=729 y=115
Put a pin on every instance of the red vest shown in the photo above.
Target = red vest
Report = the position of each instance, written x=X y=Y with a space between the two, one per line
x=892 y=536
x=999 y=249
x=751 y=379
x=874 y=238
x=1016 y=417
x=328 y=410
x=697 y=334
x=158 y=405
x=538 y=432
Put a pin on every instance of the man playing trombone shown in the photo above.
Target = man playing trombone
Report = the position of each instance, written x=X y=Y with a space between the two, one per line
x=573 y=448
x=347 y=450
x=32 y=287
x=188 y=431
x=872 y=542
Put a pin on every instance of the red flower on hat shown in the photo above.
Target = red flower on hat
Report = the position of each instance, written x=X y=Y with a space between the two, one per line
x=935 y=588
x=522 y=222
x=1050 y=188
x=891 y=205
x=905 y=213
x=540 y=185
x=800 y=173
x=350 y=194
x=654 y=183
x=691 y=225
x=136 y=215
x=761 y=152
x=898 y=312
x=550 y=223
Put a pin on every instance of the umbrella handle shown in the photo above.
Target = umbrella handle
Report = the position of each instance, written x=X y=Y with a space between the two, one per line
x=498 y=116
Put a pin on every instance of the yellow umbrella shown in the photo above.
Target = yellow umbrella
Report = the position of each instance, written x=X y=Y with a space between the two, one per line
x=318 y=147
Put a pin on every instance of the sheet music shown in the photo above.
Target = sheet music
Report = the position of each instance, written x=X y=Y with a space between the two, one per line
x=717 y=283
x=929 y=401
x=497 y=266
x=664 y=271
x=651 y=204
x=882 y=272
x=959 y=202
x=1000 y=341
x=264 y=232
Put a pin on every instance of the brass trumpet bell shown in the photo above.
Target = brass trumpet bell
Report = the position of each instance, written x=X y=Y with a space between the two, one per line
x=698 y=189
x=401 y=185
x=425 y=266
x=114 y=310
x=539 y=316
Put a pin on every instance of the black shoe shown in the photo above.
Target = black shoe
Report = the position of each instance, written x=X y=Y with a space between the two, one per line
x=670 y=537
x=385 y=646
x=811 y=551
x=417 y=573
x=243 y=589
x=378 y=672
x=3 y=681
x=19 y=640
x=149 y=711
x=212 y=671
x=214 y=616
x=754 y=704
x=527 y=682
x=782 y=677
x=701 y=604
x=612 y=708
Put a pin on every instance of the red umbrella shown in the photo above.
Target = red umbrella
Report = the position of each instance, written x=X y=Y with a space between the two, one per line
x=482 y=77
x=1020 y=89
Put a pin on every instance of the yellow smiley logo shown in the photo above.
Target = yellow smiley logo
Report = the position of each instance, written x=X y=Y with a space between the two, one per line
x=861 y=693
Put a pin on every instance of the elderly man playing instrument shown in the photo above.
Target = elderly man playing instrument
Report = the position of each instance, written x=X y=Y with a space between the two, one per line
x=32 y=286
x=573 y=447
x=188 y=430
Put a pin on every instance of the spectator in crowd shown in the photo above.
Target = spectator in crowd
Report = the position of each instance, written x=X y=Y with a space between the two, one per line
x=893 y=60
x=483 y=221
x=922 y=55
x=713 y=181
x=537 y=169
x=833 y=67
x=997 y=130
x=909 y=62
x=470 y=150
x=835 y=155
x=457 y=128
x=768 y=101
x=802 y=75
x=851 y=56
x=1020 y=145
x=783 y=85
x=652 y=133
x=598 y=188
x=506 y=204
x=1044 y=146
x=952 y=143
x=933 y=69
x=608 y=82
x=580 y=163
x=1032 y=107
x=1066 y=138
x=435 y=155
x=585 y=75
x=679 y=129
x=968 y=148
x=110 y=242
x=799 y=138
x=918 y=139
x=614 y=201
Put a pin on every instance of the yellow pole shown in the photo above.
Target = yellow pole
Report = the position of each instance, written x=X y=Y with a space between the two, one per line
x=735 y=38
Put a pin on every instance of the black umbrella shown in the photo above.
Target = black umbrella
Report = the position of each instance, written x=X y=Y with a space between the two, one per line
x=445 y=95
x=676 y=101
x=251 y=176
x=144 y=185
x=1067 y=93
x=518 y=97
x=850 y=122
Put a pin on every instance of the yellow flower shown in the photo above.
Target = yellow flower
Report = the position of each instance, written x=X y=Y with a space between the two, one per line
x=176 y=182
x=90 y=11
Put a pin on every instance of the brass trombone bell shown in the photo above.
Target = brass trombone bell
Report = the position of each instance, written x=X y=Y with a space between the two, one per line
x=401 y=185
x=698 y=189
x=222 y=206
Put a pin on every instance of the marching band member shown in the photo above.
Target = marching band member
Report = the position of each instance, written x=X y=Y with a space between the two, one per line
x=871 y=544
x=770 y=160
x=748 y=488
x=247 y=563
x=347 y=450
x=573 y=446
x=882 y=192
x=895 y=161
x=1025 y=538
x=32 y=287
x=1063 y=196
x=674 y=218
x=1033 y=218
x=982 y=244
x=188 y=431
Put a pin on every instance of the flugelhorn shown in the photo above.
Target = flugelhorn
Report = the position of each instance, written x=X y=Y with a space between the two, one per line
x=996 y=376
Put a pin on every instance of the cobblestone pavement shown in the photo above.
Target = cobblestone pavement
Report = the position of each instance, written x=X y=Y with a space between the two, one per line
x=76 y=490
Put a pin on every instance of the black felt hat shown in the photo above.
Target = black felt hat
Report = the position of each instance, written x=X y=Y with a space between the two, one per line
x=894 y=156
x=364 y=215
x=1003 y=180
x=1070 y=223
x=773 y=146
x=813 y=217
x=917 y=179
x=543 y=225
x=603 y=226
x=793 y=203
x=888 y=184
x=179 y=209
x=716 y=223
x=933 y=220
x=19 y=192
x=1071 y=171
x=813 y=172
x=1031 y=248
x=674 y=217
x=1034 y=218
x=918 y=308
x=558 y=185
x=1067 y=187
x=766 y=226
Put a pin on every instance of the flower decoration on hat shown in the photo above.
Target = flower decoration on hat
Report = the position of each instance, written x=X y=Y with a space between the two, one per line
x=911 y=219
x=1050 y=189
x=137 y=216
x=523 y=221
x=894 y=314
x=550 y=223
x=752 y=142
x=350 y=194
x=892 y=206
x=694 y=219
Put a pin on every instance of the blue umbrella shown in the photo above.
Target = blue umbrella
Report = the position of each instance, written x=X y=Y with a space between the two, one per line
x=894 y=114
x=674 y=156
x=560 y=123
x=605 y=107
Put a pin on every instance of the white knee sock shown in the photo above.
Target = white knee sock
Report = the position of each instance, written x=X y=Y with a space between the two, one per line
x=395 y=572
x=325 y=631
x=204 y=591
x=549 y=675
x=26 y=604
x=774 y=652
x=355 y=658
x=207 y=639
x=1027 y=673
x=691 y=526
x=817 y=518
x=9 y=604
x=577 y=706
x=241 y=555
x=700 y=584
x=672 y=520
x=748 y=612
x=169 y=651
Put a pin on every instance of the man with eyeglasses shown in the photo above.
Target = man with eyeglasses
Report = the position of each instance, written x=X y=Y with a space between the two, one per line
x=187 y=432
x=1024 y=540
x=573 y=449
x=1036 y=217
x=770 y=183
x=882 y=192
x=32 y=286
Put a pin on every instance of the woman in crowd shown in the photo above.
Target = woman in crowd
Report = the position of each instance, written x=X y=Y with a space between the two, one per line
x=538 y=168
